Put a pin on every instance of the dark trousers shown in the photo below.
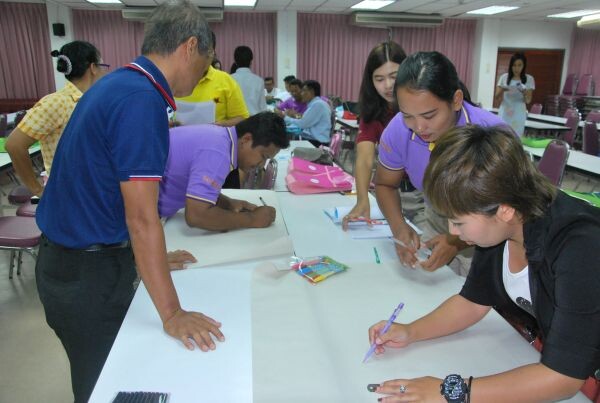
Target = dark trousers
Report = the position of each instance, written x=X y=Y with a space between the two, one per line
x=85 y=297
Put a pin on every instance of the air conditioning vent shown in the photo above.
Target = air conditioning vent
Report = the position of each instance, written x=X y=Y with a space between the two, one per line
x=384 y=20
x=141 y=13
x=589 y=22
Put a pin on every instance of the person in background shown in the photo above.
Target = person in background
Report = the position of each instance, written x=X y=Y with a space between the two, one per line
x=219 y=87
x=271 y=92
x=82 y=66
x=286 y=83
x=252 y=85
x=515 y=90
x=99 y=209
x=316 y=120
x=431 y=102
x=201 y=157
x=377 y=108
x=294 y=106
x=534 y=256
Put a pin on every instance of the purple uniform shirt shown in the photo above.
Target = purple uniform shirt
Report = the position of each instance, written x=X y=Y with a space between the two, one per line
x=291 y=103
x=200 y=158
x=400 y=148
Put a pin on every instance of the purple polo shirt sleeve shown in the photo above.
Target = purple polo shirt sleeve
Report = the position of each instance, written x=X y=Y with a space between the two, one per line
x=392 y=153
x=207 y=174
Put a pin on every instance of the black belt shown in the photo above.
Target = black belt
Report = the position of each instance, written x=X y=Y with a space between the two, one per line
x=92 y=248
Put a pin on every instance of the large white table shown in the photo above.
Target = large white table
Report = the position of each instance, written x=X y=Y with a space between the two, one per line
x=555 y=120
x=577 y=159
x=291 y=341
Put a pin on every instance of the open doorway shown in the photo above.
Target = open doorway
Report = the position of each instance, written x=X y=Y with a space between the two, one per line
x=545 y=65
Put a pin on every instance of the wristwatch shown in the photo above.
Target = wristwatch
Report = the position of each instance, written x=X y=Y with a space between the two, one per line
x=454 y=389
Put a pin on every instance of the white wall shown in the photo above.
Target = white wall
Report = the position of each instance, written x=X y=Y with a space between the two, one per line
x=286 y=45
x=497 y=33
x=59 y=13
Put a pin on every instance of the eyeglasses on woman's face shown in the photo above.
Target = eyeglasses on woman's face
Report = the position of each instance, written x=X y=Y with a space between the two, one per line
x=103 y=66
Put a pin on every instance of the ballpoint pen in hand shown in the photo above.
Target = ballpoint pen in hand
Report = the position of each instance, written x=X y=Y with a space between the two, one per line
x=383 y=331
x=262 y=201
x=422 y=254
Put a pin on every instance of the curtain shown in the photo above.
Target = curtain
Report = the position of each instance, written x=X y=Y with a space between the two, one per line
x=118 y=40
x=333 y=52
x=585 y=54
x=256 y=30
x=26 y=65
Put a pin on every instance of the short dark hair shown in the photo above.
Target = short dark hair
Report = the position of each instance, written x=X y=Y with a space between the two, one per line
x=80 y=56
x=433 y=72
x=266 y=128
x=373 y=106
x=474 y=169
x=289 y=78
x=268 y=78
x=314 y=86
x=295 y=81
x=243 y=56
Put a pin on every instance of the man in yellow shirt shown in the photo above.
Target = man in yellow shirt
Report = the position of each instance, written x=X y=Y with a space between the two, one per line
x=219 y=87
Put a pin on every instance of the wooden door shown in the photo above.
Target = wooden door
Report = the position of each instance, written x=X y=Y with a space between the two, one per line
x=545 y=65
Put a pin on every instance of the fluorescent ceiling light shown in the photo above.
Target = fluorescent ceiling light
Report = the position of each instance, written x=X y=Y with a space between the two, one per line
x=240 y=3
x=104 y=1
x=492 y=10
x=372 y=4
x=574 y=14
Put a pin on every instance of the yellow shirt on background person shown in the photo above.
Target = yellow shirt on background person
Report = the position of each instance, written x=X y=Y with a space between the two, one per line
x=46 y=120
x=224 y=91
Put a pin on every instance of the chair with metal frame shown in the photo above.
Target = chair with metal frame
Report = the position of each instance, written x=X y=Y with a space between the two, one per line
x=554 y=160
x=18 y=235
x=590 y=139
x=536 y=109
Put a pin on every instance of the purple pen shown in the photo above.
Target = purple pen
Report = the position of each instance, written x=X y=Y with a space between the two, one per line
x=384 y=330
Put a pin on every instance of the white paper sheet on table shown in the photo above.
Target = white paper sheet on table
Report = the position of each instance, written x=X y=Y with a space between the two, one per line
x=195 y=113
x=143 y=357
x=211 y=247
x=360 y=229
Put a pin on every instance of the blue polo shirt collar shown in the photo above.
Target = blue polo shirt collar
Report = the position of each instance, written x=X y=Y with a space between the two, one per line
x=151 y=68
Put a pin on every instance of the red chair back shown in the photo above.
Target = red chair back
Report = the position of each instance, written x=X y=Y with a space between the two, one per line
x=553 y=161
x=570 y=84
x=585 y=85
x=590 y=138
x=536 y=109
x=572 y=124
x=593 y=116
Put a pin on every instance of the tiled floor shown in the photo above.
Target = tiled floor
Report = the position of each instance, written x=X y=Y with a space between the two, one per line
x=33 y=365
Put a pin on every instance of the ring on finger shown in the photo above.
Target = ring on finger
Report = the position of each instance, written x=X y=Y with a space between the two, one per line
x=402 y=388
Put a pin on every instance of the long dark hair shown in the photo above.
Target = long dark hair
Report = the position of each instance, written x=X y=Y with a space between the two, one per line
x=372 y=105
x=513 y=59
x=433 y=72
x=75 y=57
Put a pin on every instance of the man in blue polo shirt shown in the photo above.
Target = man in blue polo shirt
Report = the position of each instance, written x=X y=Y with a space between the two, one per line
x=102 y=200
x=316 y=120
x=201 y=157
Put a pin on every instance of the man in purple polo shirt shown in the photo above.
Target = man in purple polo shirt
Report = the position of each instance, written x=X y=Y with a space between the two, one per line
x=201 y=157
x=294 y=106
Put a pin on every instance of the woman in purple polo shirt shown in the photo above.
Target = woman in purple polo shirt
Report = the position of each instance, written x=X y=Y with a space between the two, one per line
x=431 y=100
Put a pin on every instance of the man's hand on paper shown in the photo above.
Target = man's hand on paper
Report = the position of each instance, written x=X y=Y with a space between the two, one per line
x=263 y=216
x=178 y=259
x=194 y=327
x=241 y=205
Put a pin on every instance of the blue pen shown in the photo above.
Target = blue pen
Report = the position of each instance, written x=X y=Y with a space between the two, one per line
x=385 y=329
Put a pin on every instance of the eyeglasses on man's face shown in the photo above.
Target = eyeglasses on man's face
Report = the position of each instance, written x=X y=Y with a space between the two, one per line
x=103 y=66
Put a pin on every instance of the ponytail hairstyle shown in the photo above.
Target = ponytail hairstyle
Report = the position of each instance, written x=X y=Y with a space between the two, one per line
x=433 y=72
x=74 y=58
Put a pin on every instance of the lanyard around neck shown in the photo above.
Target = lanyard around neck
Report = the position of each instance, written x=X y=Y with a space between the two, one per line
x=163 y=92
